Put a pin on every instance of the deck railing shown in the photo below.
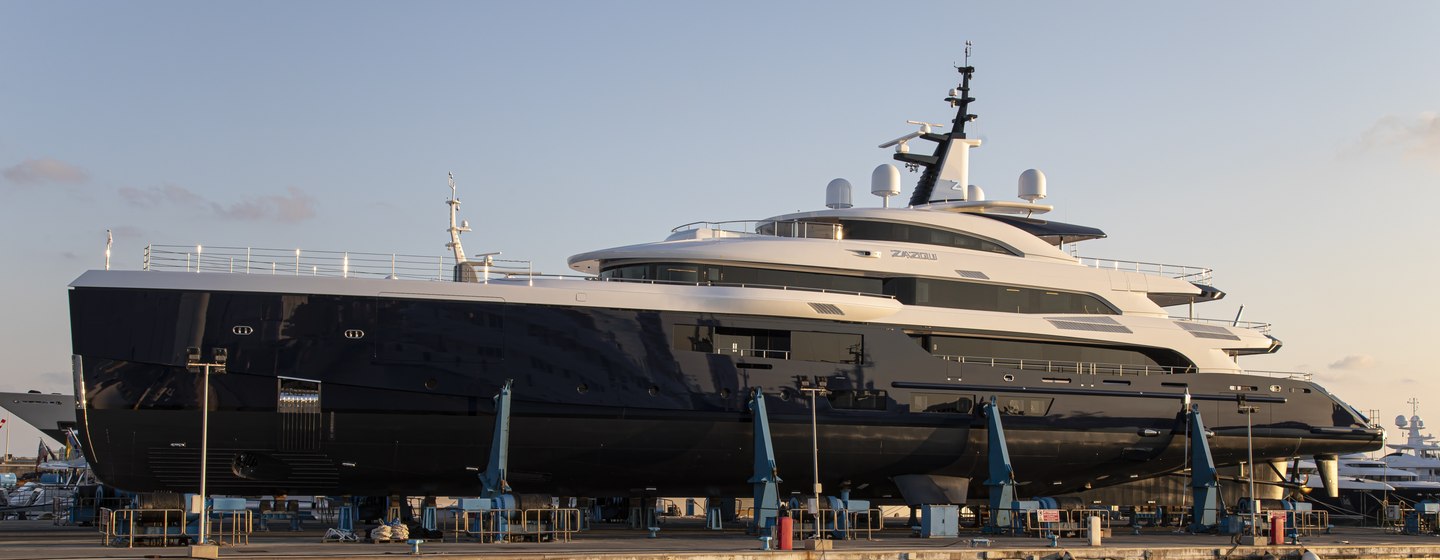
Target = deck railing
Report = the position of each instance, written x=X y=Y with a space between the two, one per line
x=1096 y=368
x=303 y=262
x=1256 y=325
x=777 y=228
x=1197 y=274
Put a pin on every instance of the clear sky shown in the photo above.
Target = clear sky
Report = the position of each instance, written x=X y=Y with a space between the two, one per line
x=1292 y=146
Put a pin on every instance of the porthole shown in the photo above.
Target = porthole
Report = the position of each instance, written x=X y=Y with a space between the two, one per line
x=654 y=390
x=582 y=388
x=1274 y=388
x=1009 y=377
x=354 y=334
x=242 y=330
x=725 y=393
x=431 y=383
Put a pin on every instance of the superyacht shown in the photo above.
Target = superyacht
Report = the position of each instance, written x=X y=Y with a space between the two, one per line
x=894 y=326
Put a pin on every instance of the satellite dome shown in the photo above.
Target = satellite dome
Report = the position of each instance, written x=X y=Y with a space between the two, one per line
x=1032 y=185
x=885 y=180
x=837 y=194
x=1400 y=420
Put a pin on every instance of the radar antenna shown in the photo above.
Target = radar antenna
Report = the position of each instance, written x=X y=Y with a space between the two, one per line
x=900 y=143
x=454 y=244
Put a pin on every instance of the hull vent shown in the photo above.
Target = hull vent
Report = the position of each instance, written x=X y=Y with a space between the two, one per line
x=298 y=405
x=179 y=470
x=826 y=308
x=1097 y=324
x=1207 y=331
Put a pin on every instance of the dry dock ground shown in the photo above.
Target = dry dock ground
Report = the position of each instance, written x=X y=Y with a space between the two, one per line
x=681 y=541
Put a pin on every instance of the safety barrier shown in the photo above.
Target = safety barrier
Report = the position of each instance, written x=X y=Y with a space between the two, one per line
x=855 y=522
x=154 y=527
x=1308 y=523
x=1044 y=522
x=232 y=526
x=504 y=525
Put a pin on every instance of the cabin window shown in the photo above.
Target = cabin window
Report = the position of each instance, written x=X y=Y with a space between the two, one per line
x=992 y=297
x=858 y=399
x=1023 y=406
x=948 y=403
x=911 y=233
x=1053 y=357
x=740 y=275
x=841 y=348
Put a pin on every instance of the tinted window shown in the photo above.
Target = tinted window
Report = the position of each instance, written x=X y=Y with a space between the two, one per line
x=1058 y=355
x=739 y=275
x=941 y=402
x=858 y=399
x=992 y=297
x=808 y=346
x=910 y=233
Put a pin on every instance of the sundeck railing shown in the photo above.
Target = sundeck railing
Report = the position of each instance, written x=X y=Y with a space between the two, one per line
x=302 y=262
x=1096 y=368
x=1197 y=274
x=777 y=228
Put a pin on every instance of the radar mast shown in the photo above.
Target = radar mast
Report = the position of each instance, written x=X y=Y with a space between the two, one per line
x=959 y=98
x=455 y=231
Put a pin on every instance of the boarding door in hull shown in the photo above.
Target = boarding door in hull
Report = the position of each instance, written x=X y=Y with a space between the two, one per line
x=298 y=404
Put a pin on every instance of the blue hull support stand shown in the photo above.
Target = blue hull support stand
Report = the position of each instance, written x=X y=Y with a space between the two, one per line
x=767 y=477
x=1002 y=474
x=1204 y=510
x=492 y=481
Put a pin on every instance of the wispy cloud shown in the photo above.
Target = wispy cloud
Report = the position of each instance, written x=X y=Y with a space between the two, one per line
x=294 y=206
x=1416 y=137
x=128 y=232
x=1354 y=361
x=44 y=170
x=152 y=197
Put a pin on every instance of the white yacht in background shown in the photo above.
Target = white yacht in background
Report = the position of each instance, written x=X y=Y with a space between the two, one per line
x=51 y=413
x=1419 y=454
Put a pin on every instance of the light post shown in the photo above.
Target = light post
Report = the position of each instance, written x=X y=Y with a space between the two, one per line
x=218 y=357
x=815 y=448
x=1249 y=410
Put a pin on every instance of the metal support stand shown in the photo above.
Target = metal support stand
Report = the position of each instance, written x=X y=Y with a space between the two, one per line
x=1002 y=475
x=713 y=520
x=767 y=477
x=1204 y=510
x=492 y=481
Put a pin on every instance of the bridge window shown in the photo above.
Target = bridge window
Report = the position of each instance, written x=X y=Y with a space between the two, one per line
x=910 y=233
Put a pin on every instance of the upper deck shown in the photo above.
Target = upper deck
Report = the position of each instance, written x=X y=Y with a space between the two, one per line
x=817 y=229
